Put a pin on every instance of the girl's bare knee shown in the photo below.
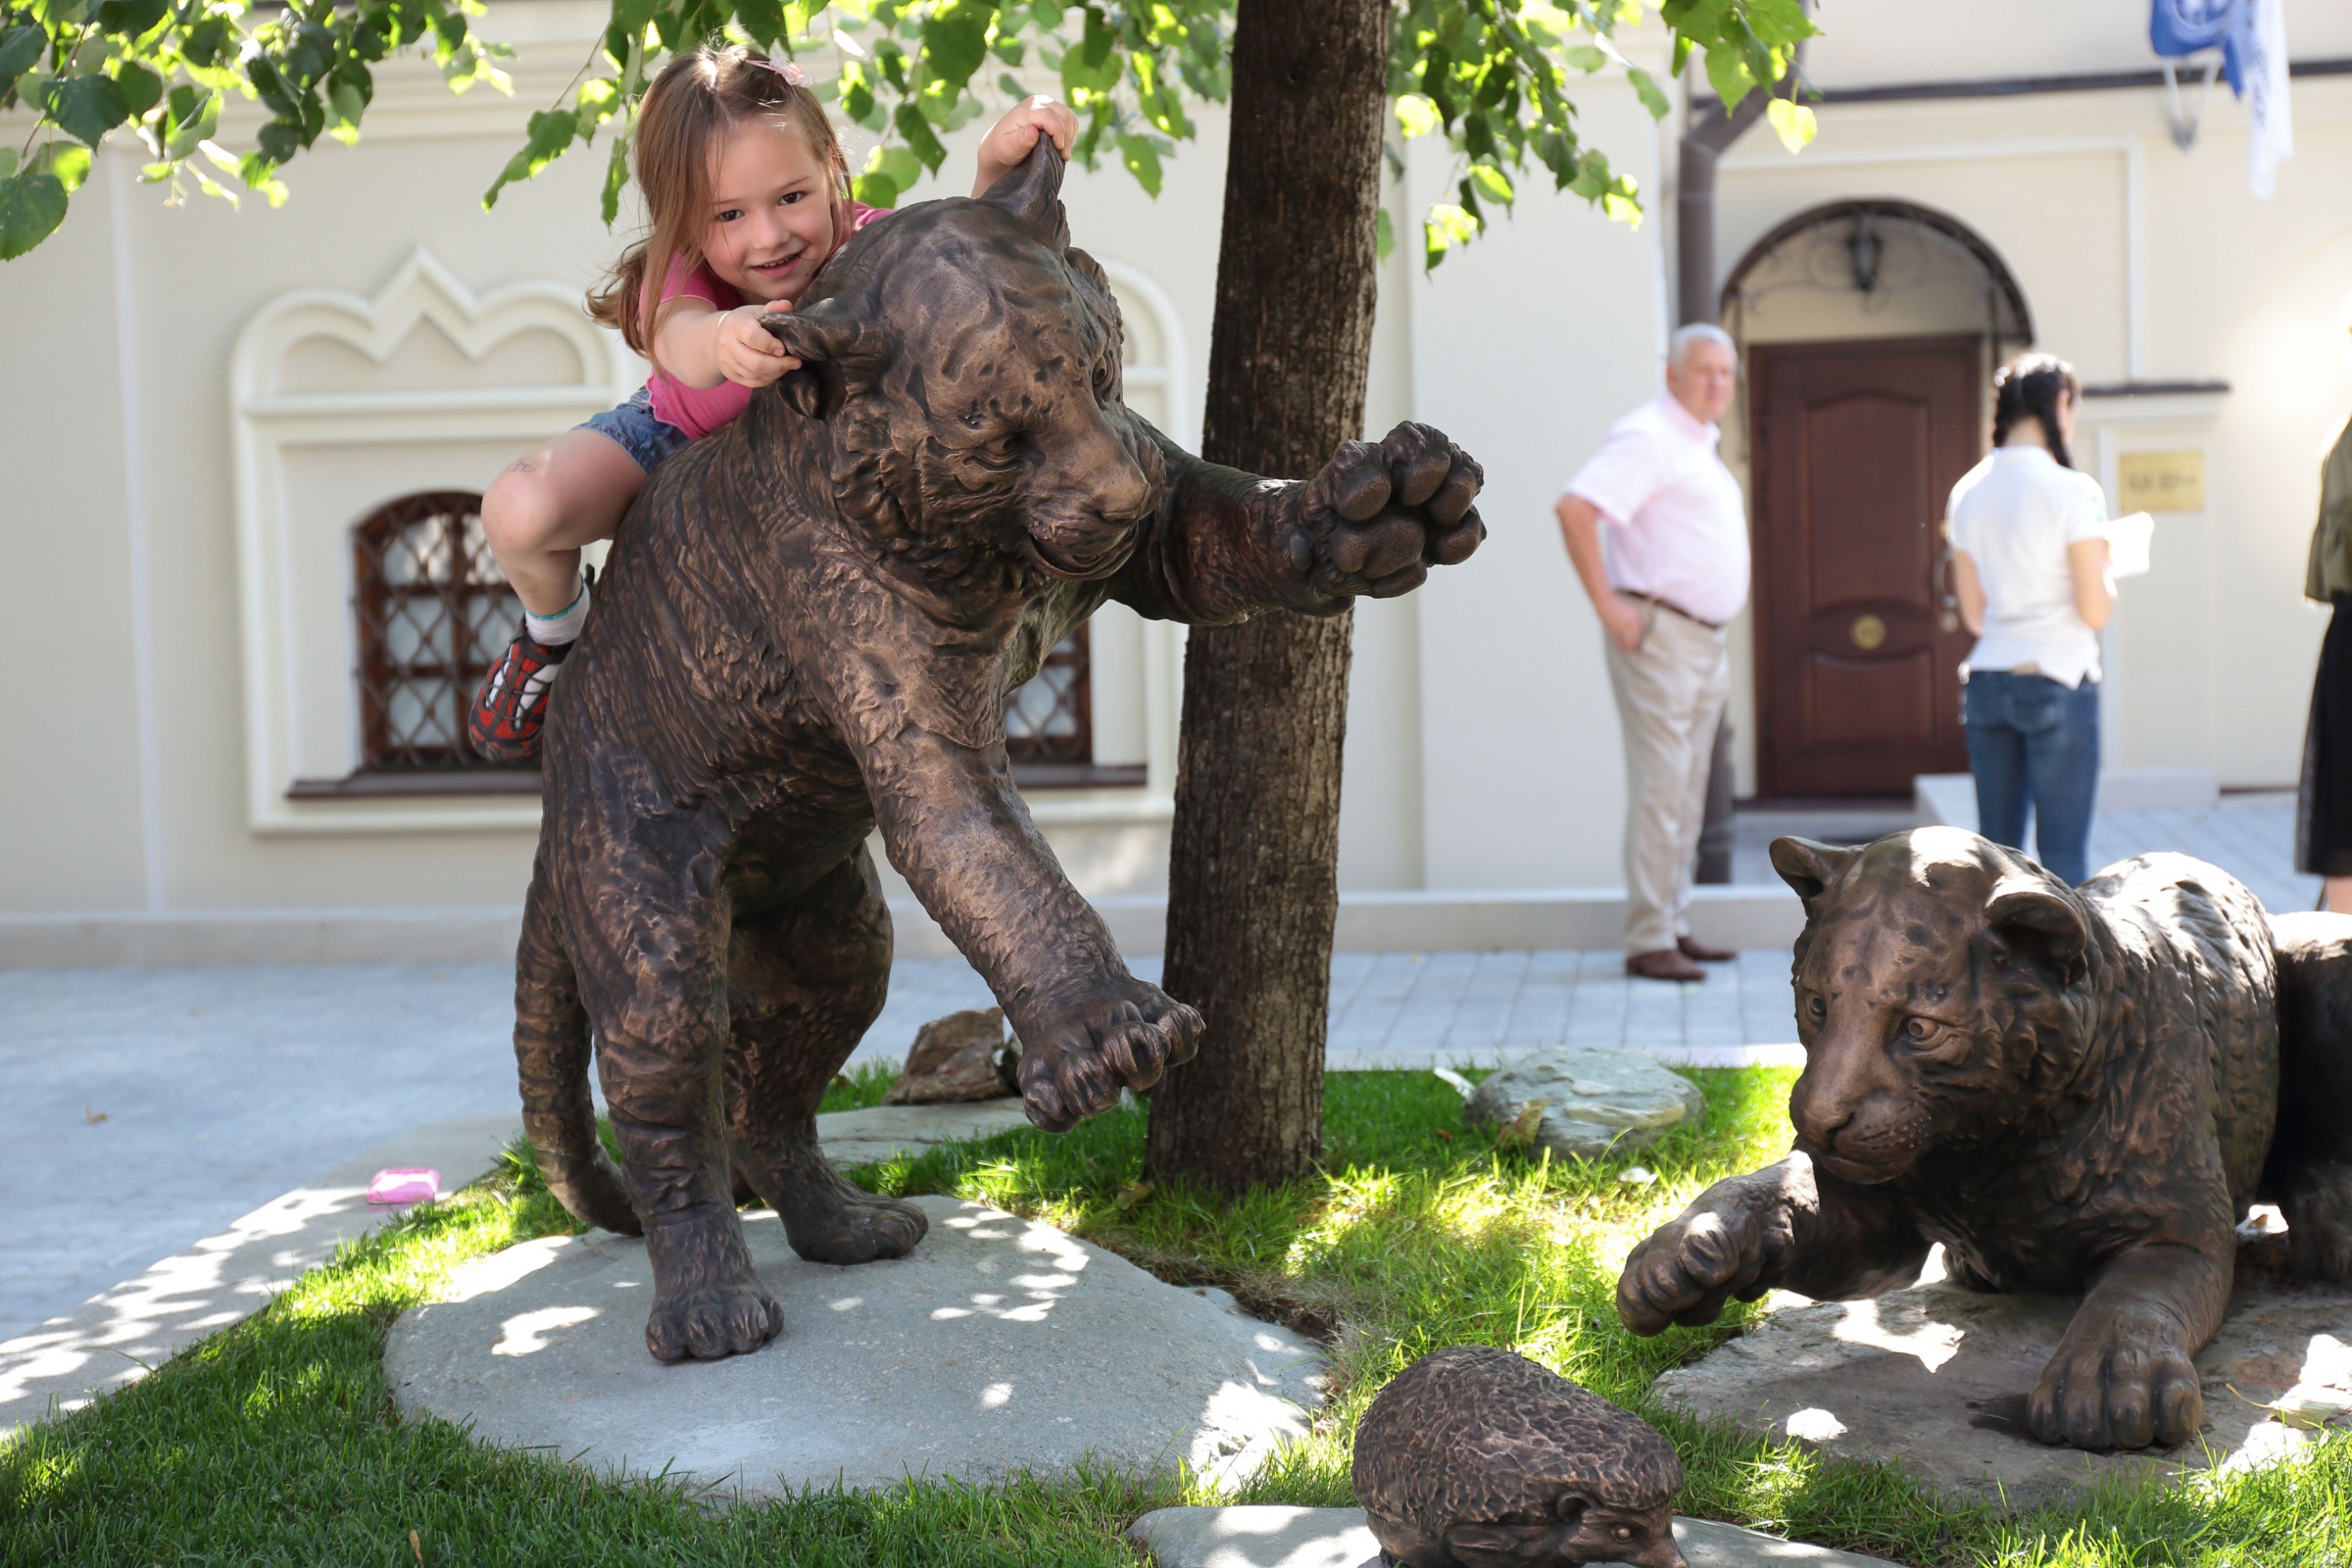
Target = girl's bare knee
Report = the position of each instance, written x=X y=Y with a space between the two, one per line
x=520 y=511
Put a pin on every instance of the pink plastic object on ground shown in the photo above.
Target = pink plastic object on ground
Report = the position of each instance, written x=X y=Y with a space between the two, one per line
x=404 y=1187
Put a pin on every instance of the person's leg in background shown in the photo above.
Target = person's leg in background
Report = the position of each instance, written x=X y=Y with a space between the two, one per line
x=1996 y=757
x=2323 y=798
x=2062 y=765
x=1656 y=693
x=1707 y=651
x=1719 y=831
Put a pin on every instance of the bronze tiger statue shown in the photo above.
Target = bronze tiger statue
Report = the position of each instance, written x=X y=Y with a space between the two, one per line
x=808 y=627
x=2075 y=1090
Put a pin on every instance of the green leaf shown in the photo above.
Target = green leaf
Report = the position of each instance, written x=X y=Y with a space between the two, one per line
x=132 y=17
x=898 y=163
x=1384 y=236
x=1793 y=122
x=917 y=131
x=1584 y=57
x=1047 y=14
x=549 y=131
x=1446 y=228
x=1492 y=183
x=140 y=88
x=956 y=41
x=1729 y=75
x=19 y=49
x=193 y=121
x=1645 y=86
x=875 y=190
x=764 y=20
x=1416 y=115
x=616 y=177
x=66 y=161
x=1143 y=161
x=32 y=206
x=85 y=107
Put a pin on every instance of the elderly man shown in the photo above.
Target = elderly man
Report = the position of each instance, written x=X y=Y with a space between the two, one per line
x=1670 y=575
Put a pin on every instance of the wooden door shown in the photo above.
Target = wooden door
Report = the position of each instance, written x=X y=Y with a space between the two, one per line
x=1855 y=448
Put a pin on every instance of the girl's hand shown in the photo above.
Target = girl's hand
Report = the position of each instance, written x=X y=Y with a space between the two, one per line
x=1008 y=141
x=749 y=354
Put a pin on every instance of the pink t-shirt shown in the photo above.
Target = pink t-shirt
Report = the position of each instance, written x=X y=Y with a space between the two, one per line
x=699 y=410
x=1678 y=522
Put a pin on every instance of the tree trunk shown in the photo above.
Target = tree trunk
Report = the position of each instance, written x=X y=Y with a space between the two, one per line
x=1253 y=873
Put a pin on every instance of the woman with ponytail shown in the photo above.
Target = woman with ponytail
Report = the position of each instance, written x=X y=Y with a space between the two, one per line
x=2031 y=567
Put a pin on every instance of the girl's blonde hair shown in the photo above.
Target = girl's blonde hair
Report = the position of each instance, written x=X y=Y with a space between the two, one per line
x=697 y=97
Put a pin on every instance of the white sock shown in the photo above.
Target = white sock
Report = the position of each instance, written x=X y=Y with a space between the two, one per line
x=564 y=626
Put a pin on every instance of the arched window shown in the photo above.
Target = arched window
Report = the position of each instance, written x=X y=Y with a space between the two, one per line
x=1049 y=720
x=434 y=612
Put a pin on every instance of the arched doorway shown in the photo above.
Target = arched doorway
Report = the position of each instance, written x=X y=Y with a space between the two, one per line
x=1869 y=329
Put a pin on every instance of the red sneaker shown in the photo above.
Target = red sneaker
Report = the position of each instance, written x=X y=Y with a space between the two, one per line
x=512 y=706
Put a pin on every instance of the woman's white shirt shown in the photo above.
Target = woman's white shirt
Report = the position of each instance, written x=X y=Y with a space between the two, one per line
x=2015 y=513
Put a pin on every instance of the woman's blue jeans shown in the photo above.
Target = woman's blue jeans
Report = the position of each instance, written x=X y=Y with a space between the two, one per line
x=2033 y=743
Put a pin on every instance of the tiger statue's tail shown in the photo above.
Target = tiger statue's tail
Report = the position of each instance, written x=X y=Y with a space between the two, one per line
x=551 y=1051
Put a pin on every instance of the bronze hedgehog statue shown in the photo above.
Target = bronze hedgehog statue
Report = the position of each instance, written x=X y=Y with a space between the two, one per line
x=1474 y=1457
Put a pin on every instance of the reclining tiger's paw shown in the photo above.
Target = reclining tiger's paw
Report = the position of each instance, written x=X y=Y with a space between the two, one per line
x=1377 y=518
x=2122 y=1378
x=1124 y=1036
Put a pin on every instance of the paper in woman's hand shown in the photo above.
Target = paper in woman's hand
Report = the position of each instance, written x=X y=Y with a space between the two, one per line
x=2128 y=538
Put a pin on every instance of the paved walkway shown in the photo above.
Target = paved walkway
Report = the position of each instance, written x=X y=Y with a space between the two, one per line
x=146 y=1108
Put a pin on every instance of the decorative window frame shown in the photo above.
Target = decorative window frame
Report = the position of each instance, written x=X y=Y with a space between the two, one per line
x=270 y=423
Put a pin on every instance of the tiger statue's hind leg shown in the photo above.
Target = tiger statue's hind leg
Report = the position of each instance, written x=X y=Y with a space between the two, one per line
x=804 y=983
x=2308 y=1174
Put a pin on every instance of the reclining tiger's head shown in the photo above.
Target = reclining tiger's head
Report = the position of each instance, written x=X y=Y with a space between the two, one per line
x=1944 y=996
x=965 y=361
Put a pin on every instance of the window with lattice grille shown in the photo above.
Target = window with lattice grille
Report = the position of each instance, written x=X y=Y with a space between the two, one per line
x=1050 y=718
x=434 y=614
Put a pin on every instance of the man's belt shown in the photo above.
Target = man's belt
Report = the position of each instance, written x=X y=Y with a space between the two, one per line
x=1668 y=604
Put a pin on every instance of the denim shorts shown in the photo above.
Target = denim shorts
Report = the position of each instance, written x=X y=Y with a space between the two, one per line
x=646 y=440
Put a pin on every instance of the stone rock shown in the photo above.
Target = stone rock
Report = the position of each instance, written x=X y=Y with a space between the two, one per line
x=854 y=1138
x=1270 y=1536
x=1935 y=1379
x=999 y=1345
x=1596 y=1100
x=956 y=1058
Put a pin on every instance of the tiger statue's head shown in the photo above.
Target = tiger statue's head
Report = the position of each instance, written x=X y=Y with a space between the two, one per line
x=1945 y=993
x=964 y=362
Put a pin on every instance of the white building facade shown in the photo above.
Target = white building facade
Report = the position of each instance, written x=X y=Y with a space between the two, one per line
x=216 y=612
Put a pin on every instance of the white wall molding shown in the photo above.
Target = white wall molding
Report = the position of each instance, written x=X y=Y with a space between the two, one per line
x=2129 y=149
x=282 y=541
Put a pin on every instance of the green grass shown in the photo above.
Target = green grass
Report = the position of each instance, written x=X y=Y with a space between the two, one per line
x=276 y=1442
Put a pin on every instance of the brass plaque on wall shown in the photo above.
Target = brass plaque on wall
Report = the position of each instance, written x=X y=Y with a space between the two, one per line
x=2160 y=481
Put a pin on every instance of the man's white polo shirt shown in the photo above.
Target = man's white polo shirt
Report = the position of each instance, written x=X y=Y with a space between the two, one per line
x=1678 y=524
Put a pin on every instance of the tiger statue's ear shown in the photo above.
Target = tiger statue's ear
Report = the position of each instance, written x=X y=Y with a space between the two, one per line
x=827 y=339
x=1809 y=868
x=2029 y=917
x=1031 y=191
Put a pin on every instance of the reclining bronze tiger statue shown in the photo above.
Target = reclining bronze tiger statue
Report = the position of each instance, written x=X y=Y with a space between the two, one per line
x=2075 y=1090
x=809 y=625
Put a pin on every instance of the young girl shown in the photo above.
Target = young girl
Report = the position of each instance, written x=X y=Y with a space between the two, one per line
x=748 y=195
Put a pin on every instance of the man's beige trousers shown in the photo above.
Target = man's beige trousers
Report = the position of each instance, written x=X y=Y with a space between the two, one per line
x=1670 y=695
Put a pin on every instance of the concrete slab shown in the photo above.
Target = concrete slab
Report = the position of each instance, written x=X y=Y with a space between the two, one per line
x=853 y=1137
x=1270 y=1537
x=1935 y=1379
x=117 y=1337
x=998 y=1344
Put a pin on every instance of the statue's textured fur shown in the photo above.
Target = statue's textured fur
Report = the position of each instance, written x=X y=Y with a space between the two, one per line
x=808 y=627
x=2075 y=1090
x=1476 y=1456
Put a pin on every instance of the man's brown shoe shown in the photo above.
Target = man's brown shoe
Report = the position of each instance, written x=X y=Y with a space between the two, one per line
x=1666 y=964
x=1690 y=948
